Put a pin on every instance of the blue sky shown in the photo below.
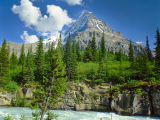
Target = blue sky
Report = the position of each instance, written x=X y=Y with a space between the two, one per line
x=25 y=20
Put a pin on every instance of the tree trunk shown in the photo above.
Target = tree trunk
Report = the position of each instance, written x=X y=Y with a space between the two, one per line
x=49 y=93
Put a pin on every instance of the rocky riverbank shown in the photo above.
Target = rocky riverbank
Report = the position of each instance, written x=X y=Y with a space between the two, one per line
x=80 y=96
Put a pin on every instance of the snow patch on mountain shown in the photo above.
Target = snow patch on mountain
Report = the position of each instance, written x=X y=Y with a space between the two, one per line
x=79 y=24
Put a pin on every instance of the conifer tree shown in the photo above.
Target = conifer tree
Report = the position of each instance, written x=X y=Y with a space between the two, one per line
x=39 y=60
x=88 y=54
x=131 y=55
x=56 y=84
x=74 y=49
x=74 y=73
x=13 y=60
x=68 y=57
x=61 y=46
x=148 y=50
x=121 y=61
x=22 y=58
x=4 y=59
x=28 y=72
x=101 y=70
x=94 y=47
x=102 y=46
x=157 y=49
x=78 y=50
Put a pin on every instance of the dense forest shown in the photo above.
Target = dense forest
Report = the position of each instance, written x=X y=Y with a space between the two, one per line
x=54 y=68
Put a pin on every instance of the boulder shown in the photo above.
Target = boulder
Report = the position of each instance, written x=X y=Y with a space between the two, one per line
x=156 y=101
x=141 y=106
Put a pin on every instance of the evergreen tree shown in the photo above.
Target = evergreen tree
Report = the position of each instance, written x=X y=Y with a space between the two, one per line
x=148 y=50
x=74 y=73
x=61 y=46
x=68 y=57
x=131 y=55
x=13 y=60
x=74 y=50
x=22 y=58
x=78 y=50
x=88 y=54
x=100 y=55
x=39 y=60
x=157 y=50
x=4 y=59
x=121 y=61
x=94 y=47
x=101 y=70
x=54 y=87
x=29 y=74
x=102 y=46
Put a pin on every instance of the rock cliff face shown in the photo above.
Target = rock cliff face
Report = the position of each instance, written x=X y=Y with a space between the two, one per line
x=79 y=96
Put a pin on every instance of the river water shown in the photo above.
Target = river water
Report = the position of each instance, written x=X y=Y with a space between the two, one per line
x=16 y=112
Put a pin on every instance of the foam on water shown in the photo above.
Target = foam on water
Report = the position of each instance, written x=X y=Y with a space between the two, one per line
x=16 y=112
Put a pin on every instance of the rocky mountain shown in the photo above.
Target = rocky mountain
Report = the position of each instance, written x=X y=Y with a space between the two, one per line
x=17 y=46
x=87 y=23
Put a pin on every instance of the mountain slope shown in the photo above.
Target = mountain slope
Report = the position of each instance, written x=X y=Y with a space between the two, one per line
x=87 y=23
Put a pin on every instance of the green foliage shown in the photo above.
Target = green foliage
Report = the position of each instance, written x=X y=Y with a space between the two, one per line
x=94 y=47
x=148 y=51
x=20 y=100
x=68 y=57
x=39 y=61
x=78 y=50
x=131 y=56
x=11 y=86
x=9 y=117
x=88 y=57
x=13 y=60
x=28 y=73
x=37 y=114
x=4 y=59
x=51 y=116
x=23 y=117
x=157 y=49
x=102 y=47
x=78 y=100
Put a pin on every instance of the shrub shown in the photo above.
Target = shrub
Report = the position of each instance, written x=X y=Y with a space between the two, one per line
x=11 y=86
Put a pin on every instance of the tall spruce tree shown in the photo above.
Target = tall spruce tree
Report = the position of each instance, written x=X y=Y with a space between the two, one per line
x=88 y=54
x=157 y=50
x=74 y=49
x=39 y=61
x=78 y=50
x=28 y=72
x=74 y=64
x=60 y=44
x=68 y=57
x=4 y=59
x=22 y=58
x=148 y=50
x=94 y=47
x=131 y=55
x=13 y=60
x=102 y=46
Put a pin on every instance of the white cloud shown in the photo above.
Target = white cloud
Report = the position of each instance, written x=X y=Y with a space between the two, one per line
x=44 y=34
x=29 y=39
x=140 y=42
x=27 y=12
x=73 y=2
x=32 y=17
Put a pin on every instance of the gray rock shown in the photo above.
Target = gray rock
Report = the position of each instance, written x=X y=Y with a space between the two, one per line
x=3 y=101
